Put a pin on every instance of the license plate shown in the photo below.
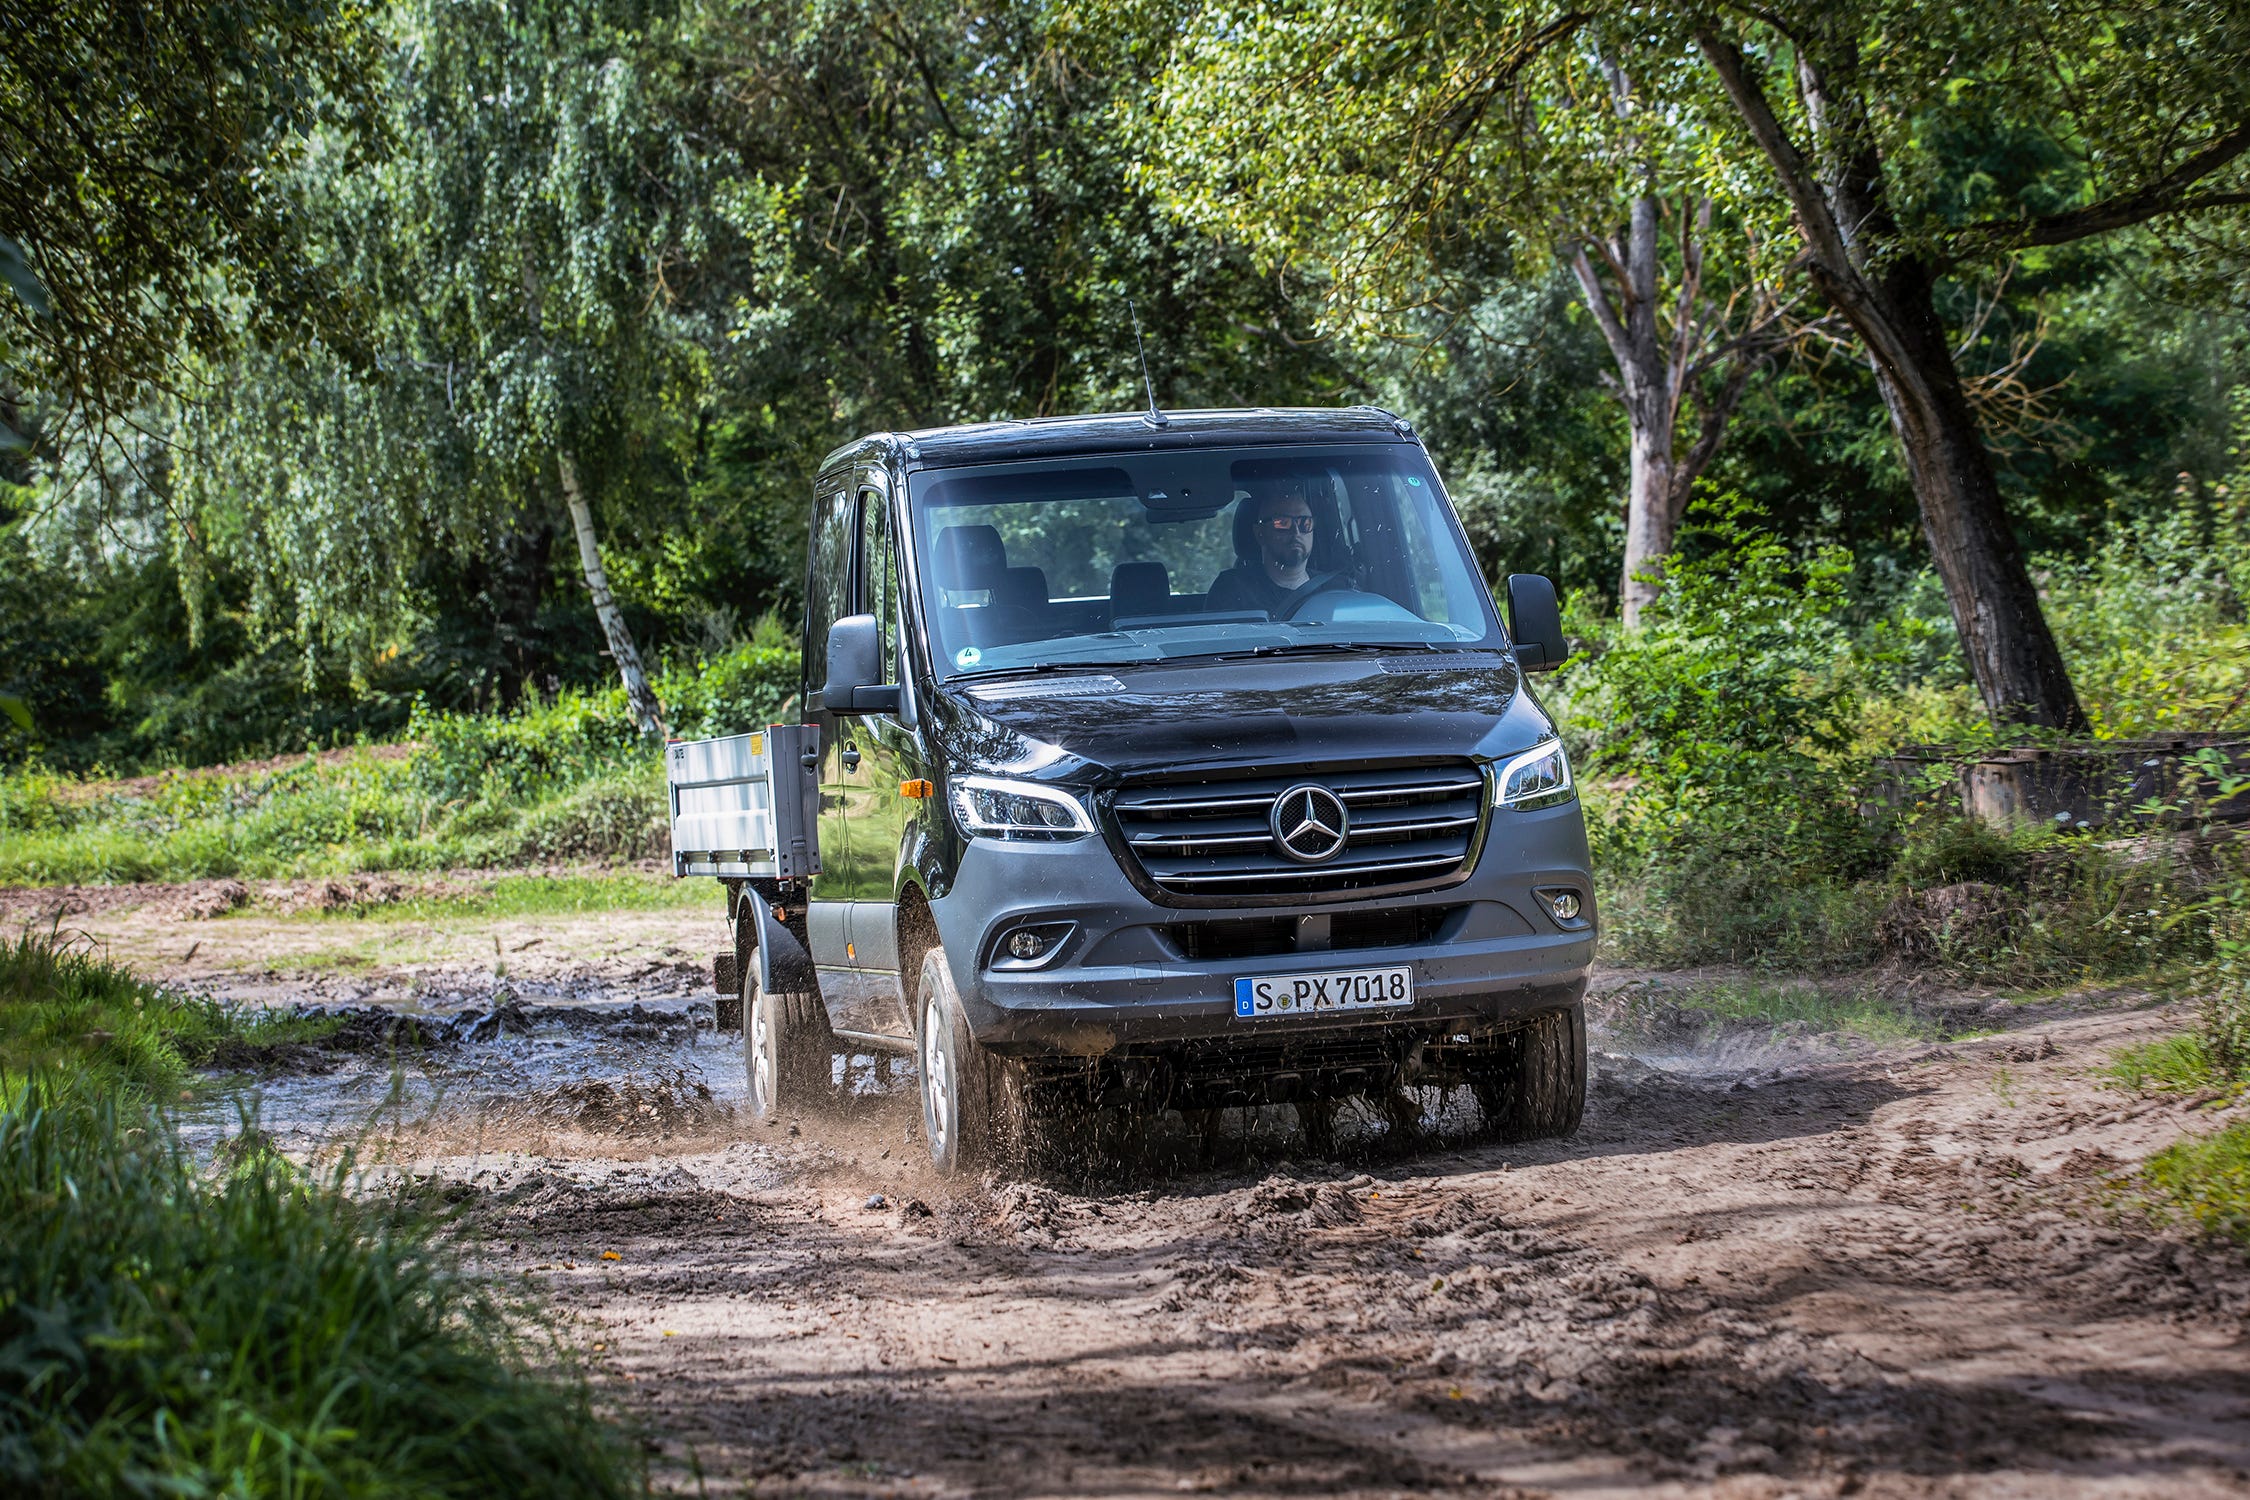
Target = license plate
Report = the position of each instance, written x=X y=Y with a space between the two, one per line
x=1321 y=991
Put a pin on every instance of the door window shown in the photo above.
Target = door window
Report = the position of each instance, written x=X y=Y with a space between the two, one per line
x=878 y=593
x=828 y=586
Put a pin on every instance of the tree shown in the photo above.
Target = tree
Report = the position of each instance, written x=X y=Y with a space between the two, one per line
x=145 y=147
x=2126 y=114
x=1866 y=115
x=1369 y=141
x=532 y=355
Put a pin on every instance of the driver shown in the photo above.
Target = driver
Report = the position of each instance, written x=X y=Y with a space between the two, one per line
x=1284 y=530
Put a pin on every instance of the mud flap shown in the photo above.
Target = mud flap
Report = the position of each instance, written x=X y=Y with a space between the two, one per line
x=784 y=967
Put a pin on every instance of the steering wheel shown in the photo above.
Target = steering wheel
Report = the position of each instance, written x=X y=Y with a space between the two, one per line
x=1326 y=583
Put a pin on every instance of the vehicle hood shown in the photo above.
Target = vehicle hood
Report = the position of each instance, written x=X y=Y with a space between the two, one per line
x=1131 y=721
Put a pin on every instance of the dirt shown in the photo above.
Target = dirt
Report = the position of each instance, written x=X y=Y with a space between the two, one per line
x=1893 y=1274
x=1770 y=1264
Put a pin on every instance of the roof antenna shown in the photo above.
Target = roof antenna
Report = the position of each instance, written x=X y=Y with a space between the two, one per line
x=1154 y=418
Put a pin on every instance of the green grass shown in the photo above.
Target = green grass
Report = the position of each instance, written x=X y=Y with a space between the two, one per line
x=62 y=1007
x=171 y=1329
x=2205 y=1182
x=363 y=814
x=533 y=896
x=2173 y=1064
x=1783 y=1008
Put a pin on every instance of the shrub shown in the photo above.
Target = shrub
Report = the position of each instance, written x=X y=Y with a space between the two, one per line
x=2206 y=1182
x=746 y=687
x=1715 y=739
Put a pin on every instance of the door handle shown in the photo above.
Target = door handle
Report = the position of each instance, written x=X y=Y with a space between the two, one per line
x=851 y=757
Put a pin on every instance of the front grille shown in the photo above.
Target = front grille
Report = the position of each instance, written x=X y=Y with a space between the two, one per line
x=1407 y=827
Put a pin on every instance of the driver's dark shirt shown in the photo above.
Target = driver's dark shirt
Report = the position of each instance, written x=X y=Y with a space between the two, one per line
x=1246 y=586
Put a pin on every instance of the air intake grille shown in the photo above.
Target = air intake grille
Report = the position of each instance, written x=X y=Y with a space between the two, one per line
x=1404 y=827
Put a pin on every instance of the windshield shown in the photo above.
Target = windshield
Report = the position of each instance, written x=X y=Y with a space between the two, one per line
x=1127 y=558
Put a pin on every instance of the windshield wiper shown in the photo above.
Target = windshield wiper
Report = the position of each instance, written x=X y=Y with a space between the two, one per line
x=1354 y=648
x=1046 y=666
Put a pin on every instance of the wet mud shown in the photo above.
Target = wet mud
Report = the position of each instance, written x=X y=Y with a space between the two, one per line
x=1839 y=1271
x=1772 y=1262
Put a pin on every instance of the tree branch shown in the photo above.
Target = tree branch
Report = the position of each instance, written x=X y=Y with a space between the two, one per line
x=1597 y=303
x=2166 y=195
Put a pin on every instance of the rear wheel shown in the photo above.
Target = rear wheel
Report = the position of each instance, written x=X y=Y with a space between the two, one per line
x=970 y=1118
x=1532 y=1086
x=785 y=1049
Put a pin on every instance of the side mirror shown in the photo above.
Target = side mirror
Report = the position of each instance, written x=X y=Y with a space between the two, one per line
x=1535 y=620
x=855 y=669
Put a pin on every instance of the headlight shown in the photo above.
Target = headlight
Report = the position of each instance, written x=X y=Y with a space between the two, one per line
x=989 y=808
x=1540 y=777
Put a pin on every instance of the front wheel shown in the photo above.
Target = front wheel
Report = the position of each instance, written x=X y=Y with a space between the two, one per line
x=1533 y=1084
x=785 y=1049
x=965 y=1103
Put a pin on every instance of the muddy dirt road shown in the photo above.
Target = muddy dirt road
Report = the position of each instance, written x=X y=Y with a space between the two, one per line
x=1869 y=1277
x=1819 y=1269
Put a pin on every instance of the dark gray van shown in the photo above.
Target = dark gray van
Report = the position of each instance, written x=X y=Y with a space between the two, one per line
x=1174 y=761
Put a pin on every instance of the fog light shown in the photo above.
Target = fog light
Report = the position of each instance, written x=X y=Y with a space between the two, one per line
x=1024 y=943
x=1565 y=905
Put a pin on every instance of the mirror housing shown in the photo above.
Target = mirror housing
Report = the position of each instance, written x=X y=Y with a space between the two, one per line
x=1535 y=620
x=855 y=669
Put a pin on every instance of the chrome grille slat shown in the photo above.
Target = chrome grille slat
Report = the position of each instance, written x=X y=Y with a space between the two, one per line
x=1310 y=873
x=1409 y=827
x=1372 y=793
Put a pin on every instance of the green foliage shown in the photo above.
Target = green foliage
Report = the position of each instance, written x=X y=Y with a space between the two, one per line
x=2154 y=622
x=1731 y=688
x=245 y=1329
x=65 y=1008
x=2205 y=1182
x=148 y=146
x=566 y=780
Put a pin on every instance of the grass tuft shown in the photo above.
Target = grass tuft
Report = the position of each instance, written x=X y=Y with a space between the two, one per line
x=64 y=1007
x=2205 y=1182
x=2173 y=1064
x=247 y=1330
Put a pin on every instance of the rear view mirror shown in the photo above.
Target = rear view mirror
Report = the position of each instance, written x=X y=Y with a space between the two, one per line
x=855 y=669
x=1535 y=620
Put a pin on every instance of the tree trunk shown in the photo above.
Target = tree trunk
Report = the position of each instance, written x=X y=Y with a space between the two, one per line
x=1656 y=381
x=1888 y=299
x=2018 y=666
x=646 y=710
x=1650 y=521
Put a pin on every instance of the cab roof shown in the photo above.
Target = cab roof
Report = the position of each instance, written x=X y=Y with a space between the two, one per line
x=1123 y=432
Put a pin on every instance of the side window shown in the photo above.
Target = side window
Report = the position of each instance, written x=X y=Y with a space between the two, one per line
x=878 y=594
x=828 y=587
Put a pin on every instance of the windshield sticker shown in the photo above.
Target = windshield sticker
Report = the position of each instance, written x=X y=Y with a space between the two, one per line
x=966 y=657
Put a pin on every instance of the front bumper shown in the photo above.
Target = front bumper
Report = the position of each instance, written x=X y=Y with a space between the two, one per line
x=1133 y=976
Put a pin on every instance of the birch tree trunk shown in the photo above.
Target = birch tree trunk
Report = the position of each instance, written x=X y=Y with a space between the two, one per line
x=1655 y=378
x=646 y=710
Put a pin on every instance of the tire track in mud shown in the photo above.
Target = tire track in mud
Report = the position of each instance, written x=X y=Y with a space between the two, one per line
x=1887 y=1276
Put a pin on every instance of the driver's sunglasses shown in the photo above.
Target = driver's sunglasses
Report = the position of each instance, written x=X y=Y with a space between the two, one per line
x=1283 y=525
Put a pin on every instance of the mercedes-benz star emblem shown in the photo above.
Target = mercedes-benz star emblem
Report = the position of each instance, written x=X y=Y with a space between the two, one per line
x=1309 y=824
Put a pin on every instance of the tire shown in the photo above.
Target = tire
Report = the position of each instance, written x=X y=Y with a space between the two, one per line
x=969 y=1115
x=785 y=1050
x=1532 y=1087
